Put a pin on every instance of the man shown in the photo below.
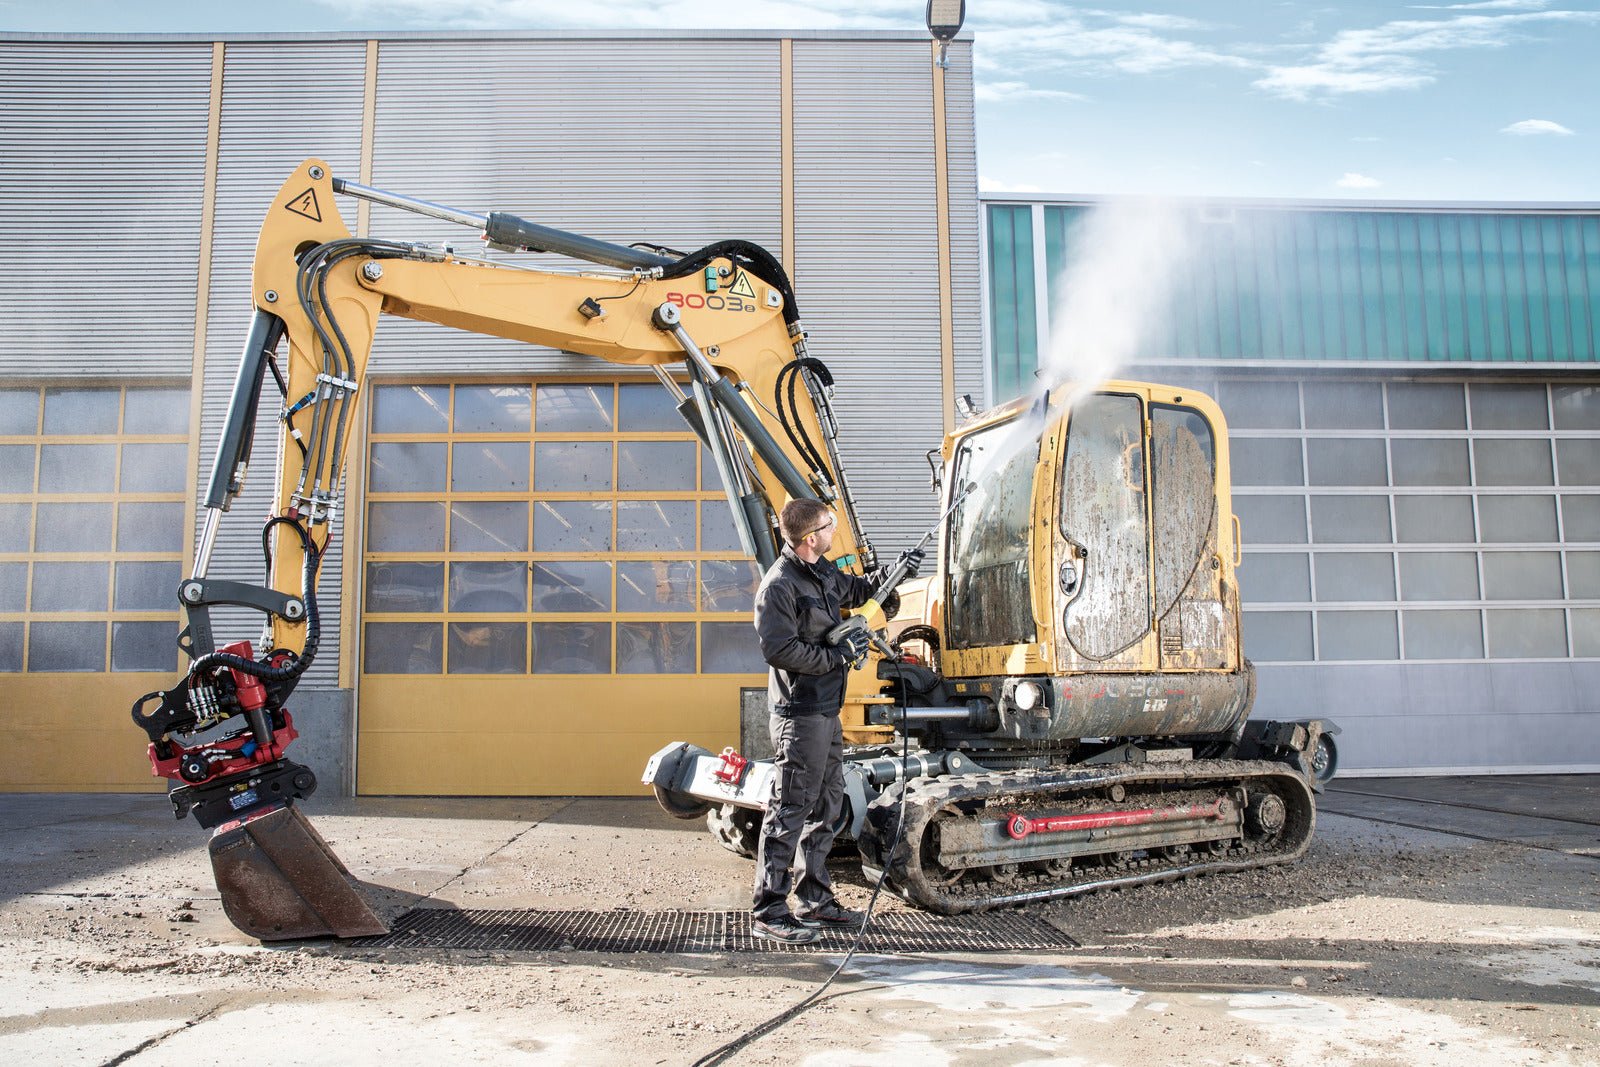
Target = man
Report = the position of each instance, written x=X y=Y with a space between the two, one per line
x=799 y=601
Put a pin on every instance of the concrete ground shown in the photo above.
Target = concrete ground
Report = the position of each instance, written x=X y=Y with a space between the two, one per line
x=1434 y=921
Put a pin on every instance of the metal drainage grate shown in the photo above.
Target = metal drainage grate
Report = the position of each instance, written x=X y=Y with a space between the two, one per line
x=705 y=931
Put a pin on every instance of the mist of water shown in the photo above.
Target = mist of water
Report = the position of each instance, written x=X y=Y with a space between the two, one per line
x=1127 y=259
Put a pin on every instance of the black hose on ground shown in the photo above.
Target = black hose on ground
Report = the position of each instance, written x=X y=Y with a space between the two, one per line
x=757 y=1032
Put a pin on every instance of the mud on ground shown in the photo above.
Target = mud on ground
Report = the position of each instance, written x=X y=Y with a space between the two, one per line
x=1384 y=945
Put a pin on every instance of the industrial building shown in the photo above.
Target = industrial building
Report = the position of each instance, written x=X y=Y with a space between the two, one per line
x=536 y=586
x=502 y=499
x=1413 y=396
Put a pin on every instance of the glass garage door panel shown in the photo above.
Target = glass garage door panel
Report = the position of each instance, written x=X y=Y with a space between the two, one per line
x=1467 y=507
x=546 y=528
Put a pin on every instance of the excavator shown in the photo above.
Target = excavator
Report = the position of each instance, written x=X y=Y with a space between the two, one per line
x=1062 y=705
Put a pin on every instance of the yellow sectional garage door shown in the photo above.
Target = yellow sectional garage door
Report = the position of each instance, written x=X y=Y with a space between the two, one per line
x=552 y=589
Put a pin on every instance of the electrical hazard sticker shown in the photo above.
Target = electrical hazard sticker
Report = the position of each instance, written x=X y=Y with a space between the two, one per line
x=741 y=287
x=306 y=205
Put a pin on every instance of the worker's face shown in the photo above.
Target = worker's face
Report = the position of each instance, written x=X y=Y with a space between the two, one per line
x=821 y=536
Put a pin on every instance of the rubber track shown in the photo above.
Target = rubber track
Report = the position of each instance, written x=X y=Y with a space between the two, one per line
x=929 y=798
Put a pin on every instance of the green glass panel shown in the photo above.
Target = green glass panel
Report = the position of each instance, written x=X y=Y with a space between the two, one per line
x=1369 y=264
x=1516 y=292
x=1580 y=324
x=1183 y=314
x=1204 y=295
x=1330 y=286
x=1555 y=289
x=1394 y=335
x=1533 y=254
x=1590 y=254
x=1266 y=296
x=1002 y=299
x=1294 y=346
x=1456 y=346
x=1258 y=317
x=1497 y=345
x=1013 y=315
x=1308 y=288
x=1431 y=270
x=1224 y=291
x=1352 y=331
x=1410 y=264
x=1245 y=313
x=1473 y=299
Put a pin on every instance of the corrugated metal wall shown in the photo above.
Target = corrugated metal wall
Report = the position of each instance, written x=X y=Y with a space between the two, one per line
x=867 y=265
x=104 y=149
x=281 y=103
x=673 y=140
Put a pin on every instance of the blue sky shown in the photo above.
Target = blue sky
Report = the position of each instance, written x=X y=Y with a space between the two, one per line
x=1495 y=100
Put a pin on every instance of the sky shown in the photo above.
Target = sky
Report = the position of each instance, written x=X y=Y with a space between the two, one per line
x=1496 y=100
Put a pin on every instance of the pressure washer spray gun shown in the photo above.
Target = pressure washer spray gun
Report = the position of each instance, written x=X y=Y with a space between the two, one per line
x=859 y=619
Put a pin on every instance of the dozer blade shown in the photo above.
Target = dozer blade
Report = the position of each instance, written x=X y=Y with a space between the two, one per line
x=280 y=881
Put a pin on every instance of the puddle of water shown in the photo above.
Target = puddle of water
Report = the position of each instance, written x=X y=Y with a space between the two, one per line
x=965 y=987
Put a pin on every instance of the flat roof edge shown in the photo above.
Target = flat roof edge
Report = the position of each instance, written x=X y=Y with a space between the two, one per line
x=1486 y=206
x=17 y=36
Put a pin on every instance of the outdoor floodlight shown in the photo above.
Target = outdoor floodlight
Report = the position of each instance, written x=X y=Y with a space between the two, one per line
x=944 y=22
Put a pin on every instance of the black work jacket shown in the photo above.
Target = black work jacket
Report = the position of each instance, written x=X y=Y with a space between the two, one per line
x=796 y=606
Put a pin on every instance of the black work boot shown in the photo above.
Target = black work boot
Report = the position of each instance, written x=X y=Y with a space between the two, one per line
x=784 y=928
x=833 y=915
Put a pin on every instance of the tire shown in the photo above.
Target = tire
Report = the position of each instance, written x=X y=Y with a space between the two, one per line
x=1324 y=762
x=736 y=829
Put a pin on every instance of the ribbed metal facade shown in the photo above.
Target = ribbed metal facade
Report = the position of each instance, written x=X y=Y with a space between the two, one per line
x=677 y=141
x=100 y=193
x=618 y=140
x=867 y=263
x=280 y=104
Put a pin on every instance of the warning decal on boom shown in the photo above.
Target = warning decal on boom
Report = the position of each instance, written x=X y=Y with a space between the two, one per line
x=306 y=204
x=741 y=286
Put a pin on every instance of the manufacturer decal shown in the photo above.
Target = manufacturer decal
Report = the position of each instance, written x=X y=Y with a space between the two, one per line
x=712 y=301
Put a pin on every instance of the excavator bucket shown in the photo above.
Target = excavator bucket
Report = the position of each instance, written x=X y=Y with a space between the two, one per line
x=280 y=881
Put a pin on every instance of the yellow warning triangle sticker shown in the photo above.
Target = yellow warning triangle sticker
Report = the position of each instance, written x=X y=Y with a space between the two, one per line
x=741 y=286
x=306 y=204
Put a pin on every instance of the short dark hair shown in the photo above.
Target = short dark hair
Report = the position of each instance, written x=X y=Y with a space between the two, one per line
x=799 y=518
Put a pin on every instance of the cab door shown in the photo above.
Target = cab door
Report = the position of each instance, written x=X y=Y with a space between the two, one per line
x=1195 y=606
x=1101 y=525
x=1140 y=579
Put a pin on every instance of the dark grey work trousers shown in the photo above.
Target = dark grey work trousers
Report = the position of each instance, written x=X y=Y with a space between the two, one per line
x=808 y=791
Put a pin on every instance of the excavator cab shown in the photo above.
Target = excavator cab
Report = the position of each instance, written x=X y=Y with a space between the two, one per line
x=1099 y=542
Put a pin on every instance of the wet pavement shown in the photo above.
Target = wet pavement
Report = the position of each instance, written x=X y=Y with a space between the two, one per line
x=1435 y=921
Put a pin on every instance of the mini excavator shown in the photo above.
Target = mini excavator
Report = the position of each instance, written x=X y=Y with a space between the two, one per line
x=1067 y=687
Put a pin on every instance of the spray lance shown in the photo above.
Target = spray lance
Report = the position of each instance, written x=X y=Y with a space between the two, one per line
x=857 y=622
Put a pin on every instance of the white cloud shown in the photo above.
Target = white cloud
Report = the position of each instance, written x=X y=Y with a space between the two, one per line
x=995 y=185
x=1366 y=140
x=1391 y=56
x=1003 y=92
x=1488 y=5
x=1160 y=22
x=1536 y=127
x=1067 y=40
x=1352 y=180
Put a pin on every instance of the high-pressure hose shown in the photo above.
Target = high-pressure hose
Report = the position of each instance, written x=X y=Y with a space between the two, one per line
x=308 y=592
x=788 y=406
x=757 y=1032
x=749 y=255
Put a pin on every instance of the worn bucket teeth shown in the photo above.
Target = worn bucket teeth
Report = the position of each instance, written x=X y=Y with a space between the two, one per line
x=280 y=881
x=915 y=873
